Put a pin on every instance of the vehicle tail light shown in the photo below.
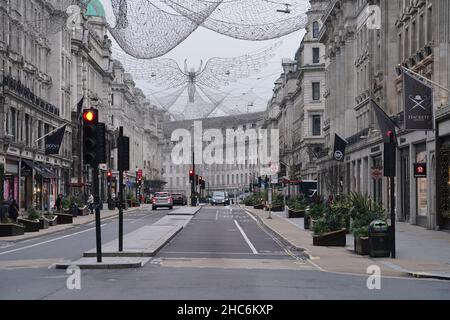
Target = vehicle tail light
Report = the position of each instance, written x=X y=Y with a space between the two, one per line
x=154 y=200
x=169 y=200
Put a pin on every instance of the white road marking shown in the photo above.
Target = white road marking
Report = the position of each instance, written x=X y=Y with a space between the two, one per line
x=48 y=241
x=246 y=238
x=217 y=215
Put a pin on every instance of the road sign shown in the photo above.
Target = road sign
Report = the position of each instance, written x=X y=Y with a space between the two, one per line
x=274 y=167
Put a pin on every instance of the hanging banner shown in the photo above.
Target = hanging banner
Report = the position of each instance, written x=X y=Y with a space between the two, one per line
x=339 y=148
x=418 y=103
x=53 y=142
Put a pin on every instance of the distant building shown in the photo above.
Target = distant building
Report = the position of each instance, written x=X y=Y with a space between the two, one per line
x=230 y=177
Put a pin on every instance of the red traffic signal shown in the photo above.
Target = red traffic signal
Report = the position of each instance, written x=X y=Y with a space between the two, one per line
x=191 y=173
x=109 y=174
x=90 y=116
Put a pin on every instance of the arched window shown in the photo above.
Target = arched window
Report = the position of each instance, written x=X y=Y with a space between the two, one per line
x=315 y=29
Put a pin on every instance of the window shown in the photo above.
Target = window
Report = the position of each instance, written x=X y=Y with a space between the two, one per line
x=316 y=55
x=316 y=90
x=315 y=29
x=316 y=125
x=13 y=123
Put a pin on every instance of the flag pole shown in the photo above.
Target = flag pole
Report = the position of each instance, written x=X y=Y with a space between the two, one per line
x=425 y=78
x=47 y=134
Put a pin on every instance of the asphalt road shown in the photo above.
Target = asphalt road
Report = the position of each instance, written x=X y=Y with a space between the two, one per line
x=220 y=254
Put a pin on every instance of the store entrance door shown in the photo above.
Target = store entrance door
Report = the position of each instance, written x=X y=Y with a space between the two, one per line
x=405 y=166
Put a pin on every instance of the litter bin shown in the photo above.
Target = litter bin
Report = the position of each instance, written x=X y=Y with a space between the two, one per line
x=379 y=242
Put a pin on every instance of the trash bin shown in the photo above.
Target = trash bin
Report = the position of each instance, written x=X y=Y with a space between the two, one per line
x=379 y=240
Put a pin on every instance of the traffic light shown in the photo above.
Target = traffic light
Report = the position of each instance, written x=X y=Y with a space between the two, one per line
x=191 y=176
x=90 y=121
x=109 y=176
x=123 y=153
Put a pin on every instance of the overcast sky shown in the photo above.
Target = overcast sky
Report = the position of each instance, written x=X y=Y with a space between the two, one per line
x=203 y=44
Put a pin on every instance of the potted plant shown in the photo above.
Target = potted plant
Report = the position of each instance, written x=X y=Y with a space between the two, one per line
x=277 y=202
x=329 y=230
x=8 y=227
x=296 y=208
x=314 y=212
x=52 y=219
x=342 y=207
x=363 y=211
x=69 y=210
x=31 y=222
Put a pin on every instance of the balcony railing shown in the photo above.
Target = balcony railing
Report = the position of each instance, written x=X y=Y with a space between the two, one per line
x=21 y=90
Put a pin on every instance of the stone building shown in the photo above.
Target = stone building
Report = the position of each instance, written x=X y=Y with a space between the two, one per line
x=308 y=98
x=33 y=102
x=361 y=64
x=232 y=177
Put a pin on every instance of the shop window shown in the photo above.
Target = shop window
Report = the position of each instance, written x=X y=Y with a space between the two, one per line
x=422 y=184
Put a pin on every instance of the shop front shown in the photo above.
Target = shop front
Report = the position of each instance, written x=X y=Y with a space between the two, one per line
x=11 y=180
x=44 y=185
x=443 y=182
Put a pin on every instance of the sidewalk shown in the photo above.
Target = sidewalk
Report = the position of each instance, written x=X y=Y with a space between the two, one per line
x=77 y=221
x=420 y=252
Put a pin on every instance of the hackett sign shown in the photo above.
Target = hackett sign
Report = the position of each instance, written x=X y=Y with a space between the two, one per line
x=418 y=103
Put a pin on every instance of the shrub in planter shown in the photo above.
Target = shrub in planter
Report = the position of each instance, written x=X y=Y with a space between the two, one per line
x=31 y=221
x=296 y=208
x=52 y=219
x=9 y=229
x=329 y=230
x=363 y=211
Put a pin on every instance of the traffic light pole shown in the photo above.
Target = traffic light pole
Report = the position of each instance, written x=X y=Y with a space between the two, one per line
x=392 y=194
x=193 y=199
x=121 y=204
x=98 y=234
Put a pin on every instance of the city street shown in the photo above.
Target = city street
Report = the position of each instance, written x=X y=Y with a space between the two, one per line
x=223 y=253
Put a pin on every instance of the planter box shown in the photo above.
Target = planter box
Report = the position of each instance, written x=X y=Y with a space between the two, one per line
x=30 y=225
x=135 y=204
x=277 y=208
x=84 y=211
x=52 y=221
x=362 y=246
x=258 y=206
x=296 y=214
x=43 y=223
x=331 y=239
x=11 y=229
x=63 y=218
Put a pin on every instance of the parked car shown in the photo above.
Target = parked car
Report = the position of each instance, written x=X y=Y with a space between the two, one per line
x=162 y=200
x=220 y=198
x=179 y=199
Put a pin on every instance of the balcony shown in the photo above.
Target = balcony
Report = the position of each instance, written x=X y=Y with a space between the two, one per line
x=19 y=89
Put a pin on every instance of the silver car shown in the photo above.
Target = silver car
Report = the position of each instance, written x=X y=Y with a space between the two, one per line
x=162 y=200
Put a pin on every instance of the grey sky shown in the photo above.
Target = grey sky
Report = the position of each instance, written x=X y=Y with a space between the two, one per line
x=203 y=44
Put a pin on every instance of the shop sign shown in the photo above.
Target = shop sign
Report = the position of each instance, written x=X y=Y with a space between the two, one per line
x=376 y=172
x=420 y=170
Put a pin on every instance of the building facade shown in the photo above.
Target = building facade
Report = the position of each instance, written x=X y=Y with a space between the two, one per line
x=32 y=103
x=226 y=176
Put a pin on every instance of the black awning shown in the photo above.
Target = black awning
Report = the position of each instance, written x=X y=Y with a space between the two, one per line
x=40 y=169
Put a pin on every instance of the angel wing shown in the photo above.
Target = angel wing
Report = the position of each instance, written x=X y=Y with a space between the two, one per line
x=221 y=71
x=159 y=72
